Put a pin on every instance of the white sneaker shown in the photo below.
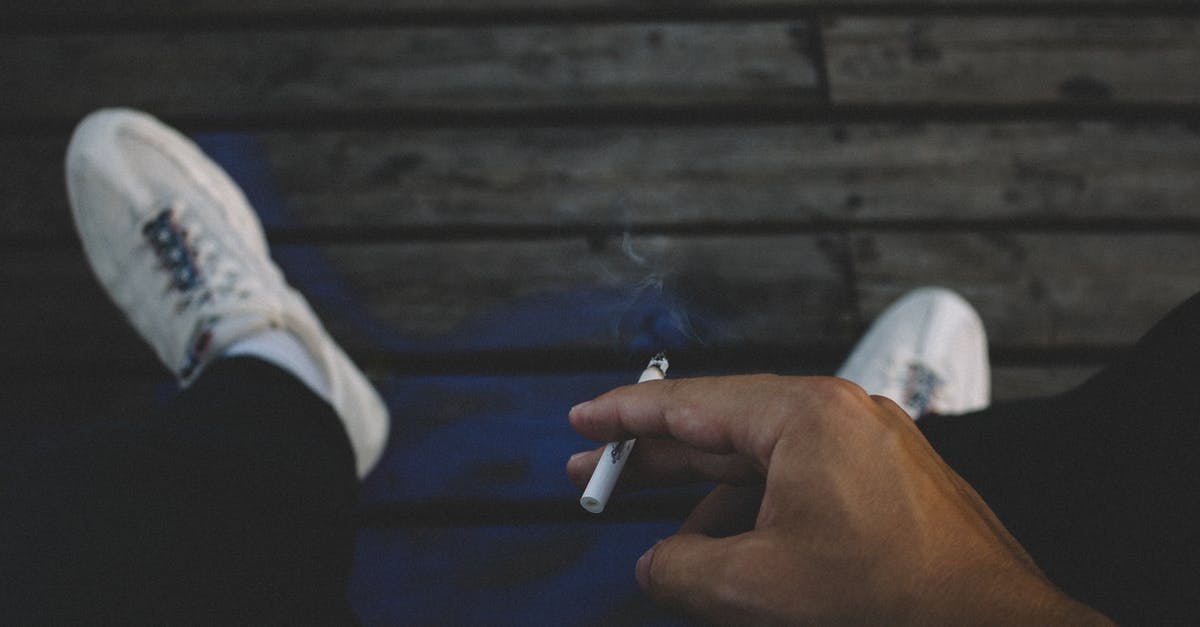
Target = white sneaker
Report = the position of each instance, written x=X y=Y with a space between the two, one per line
x=174 y=241
x=927 y=352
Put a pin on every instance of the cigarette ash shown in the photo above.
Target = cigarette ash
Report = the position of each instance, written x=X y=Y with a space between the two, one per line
x=618 y=450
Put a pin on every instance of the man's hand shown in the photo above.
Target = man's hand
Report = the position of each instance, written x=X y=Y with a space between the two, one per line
x=831 y=508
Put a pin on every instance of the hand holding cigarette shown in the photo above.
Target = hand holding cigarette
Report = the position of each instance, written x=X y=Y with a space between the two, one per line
x=831 y=507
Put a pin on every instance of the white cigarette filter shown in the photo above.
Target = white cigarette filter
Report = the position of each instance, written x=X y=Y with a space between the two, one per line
x=608 y=470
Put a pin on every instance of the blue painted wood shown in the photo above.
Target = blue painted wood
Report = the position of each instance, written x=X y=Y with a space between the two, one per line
x=500 y=442
x=640 y=319
x=472 y=437
x=528 y=575
x=478 y=437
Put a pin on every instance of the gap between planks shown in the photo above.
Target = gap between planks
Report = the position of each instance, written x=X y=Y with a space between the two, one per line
x=426 y=13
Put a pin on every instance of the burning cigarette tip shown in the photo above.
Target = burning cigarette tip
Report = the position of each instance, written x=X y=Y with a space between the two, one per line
x=659 y=361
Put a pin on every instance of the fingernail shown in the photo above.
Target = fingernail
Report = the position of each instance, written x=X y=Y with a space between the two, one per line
x=642 y=569
x=579 y=455
x=580 y=407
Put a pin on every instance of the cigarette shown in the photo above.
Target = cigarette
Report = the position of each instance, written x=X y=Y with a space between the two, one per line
x=604 y=479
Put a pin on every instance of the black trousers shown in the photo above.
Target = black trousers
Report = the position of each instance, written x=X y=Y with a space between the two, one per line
x=1100 y=484
x=235 y=506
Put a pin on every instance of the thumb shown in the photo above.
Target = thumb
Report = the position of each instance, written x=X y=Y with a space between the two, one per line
x=692 y=572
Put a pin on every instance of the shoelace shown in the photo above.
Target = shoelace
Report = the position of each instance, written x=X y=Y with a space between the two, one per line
x=206 y=281
x=920 y=388
x=197 y=270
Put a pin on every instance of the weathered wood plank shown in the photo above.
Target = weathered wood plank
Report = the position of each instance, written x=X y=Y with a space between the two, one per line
x=799 y=174
x=482 y=413
x=1039 y=290
x=1077 y=173
x=1033 y=290
x=511 y=575
x=544 y=292
x=200 y=9
x=259 y=74
x=485 y=295
x=1013 y=60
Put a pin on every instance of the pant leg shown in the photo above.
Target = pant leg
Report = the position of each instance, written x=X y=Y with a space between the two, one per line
x=235 y=506
x=1099 y=483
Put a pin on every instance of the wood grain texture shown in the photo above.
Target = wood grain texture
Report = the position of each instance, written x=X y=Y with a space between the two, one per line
x=465 y=188
x=425 y=182
x=470 y=575
x=231 y=74
x=430 y=290
x=1041 y=290
x=796 y=174
x=464 y=296
x=1013 y=60
x=208 y=9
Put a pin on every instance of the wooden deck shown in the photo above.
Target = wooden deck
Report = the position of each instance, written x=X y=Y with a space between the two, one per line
x=501 y=210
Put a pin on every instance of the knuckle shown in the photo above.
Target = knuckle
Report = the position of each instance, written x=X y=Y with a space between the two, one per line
x=840 y=392
x=829 y=399
x=887 y=405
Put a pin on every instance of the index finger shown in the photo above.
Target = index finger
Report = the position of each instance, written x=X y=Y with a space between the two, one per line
x=742 y=414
